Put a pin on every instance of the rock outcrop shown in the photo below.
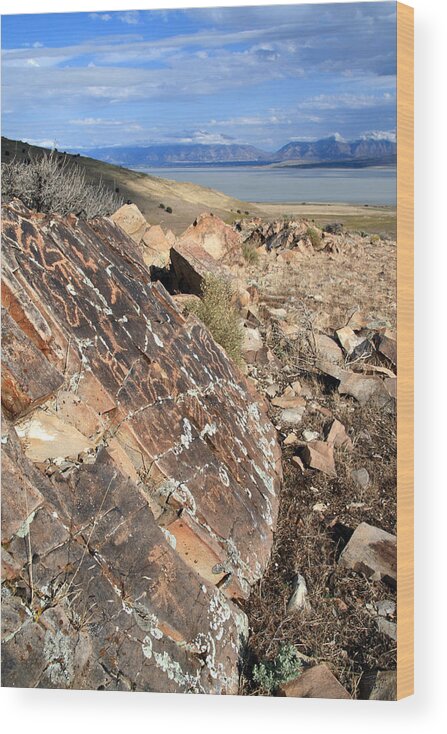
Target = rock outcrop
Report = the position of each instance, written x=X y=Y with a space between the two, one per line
x=140 y=472
x=152 y=242
x=219 y=240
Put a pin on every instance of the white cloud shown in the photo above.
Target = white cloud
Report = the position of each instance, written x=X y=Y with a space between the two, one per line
x=348 y=101
x=101 y=16
x=131 y=17
x=101 y=122
x=389 y=135
x=205 y=138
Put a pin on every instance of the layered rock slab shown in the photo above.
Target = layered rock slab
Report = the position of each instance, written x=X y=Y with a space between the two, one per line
x=176 y=485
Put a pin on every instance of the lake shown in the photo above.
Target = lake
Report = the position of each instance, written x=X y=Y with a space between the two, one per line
x=374 y=185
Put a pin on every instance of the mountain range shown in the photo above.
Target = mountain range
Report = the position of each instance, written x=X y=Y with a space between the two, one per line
x=328 y=151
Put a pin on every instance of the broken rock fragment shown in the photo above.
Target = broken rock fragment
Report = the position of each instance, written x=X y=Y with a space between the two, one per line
x=319 y=455
x=360 y=477
x=316 y=682
x=335 y=434
x=371 y=551
x=379 y=685
x=328 y=349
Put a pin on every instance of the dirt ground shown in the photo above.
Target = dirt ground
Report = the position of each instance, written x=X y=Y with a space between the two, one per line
x=318 y=514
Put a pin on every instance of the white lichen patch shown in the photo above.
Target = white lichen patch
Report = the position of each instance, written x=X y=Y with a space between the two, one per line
x=172 y=540
x=209 y=429
x=147 y=647
x=23 y=530
x=186 y=437
x=267 y=480
x=223 y=476
x=174 y=672
x=254 y=412
x=58 y=654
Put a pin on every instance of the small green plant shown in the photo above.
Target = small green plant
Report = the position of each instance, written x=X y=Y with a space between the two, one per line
x=217 y=312
x=269 y=675
x=250 y=254
x=161 y=206
x=314 y=236
x=169 y=209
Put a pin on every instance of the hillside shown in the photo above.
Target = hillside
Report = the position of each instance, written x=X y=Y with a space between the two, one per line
x=186 y=200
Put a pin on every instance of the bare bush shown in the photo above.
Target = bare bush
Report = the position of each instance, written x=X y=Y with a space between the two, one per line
x=219 y=315
x=50 y=184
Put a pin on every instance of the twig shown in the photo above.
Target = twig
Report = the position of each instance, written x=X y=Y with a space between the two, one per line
x=30 y=553
x=95 y=522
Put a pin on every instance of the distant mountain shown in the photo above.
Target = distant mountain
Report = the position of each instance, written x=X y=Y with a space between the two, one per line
x=177 y=154
x=334 y=149
x=367 y=151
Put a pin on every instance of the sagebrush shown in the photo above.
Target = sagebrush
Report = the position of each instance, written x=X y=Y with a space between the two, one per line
x=250 y=254
x=50 y=183
x=217 y=312
x=314 y=237
x=269 y=675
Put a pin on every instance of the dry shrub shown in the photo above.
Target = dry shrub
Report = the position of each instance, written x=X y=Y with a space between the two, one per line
x=315 y=237
x=218 y=313
x=52 y=185
x=249 y=253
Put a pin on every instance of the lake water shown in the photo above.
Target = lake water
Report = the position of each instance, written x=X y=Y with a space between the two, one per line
x=249 y=183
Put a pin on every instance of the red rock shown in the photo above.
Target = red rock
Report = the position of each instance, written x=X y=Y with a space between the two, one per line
x=387 y=346
x=351 y=343
x=371 y=551
x=316 y=682
x=336 y=435
x=252 y=344
x=219 y=240
x=379 y=685
x=364 y=388
x=28 y=378
x=131 y=221
x=319 y=455
x=289 y=401
x=190 y=263
x=156 y=247
x=160 y=401
x=328 y=349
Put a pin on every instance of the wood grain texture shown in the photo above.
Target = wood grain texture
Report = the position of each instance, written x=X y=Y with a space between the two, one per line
x=405 y=419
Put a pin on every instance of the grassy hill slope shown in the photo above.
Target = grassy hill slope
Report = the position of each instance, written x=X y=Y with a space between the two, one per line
x=186 y=200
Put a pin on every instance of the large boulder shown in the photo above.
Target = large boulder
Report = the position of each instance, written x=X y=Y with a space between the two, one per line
x=140 y=472
x=191 y=263
x=131 y=221
x=219 y=240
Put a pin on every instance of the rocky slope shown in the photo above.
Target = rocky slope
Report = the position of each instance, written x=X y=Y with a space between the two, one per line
x=140 y=472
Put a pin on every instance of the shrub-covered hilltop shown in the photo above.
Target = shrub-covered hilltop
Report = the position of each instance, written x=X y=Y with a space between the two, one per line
x=51 y=184
x=198 y=446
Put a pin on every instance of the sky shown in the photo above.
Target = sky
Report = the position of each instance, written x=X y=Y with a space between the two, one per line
x=261 y=76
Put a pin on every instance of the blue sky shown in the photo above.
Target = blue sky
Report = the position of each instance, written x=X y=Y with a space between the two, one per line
x=256 y=75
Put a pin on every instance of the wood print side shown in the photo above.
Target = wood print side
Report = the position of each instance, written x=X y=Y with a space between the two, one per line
x=405 y=298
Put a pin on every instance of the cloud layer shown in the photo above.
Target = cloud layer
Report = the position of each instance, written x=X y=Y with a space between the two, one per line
x=257 y=75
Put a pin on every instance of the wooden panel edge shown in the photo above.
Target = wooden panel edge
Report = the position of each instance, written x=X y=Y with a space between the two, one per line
x=405 y=346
